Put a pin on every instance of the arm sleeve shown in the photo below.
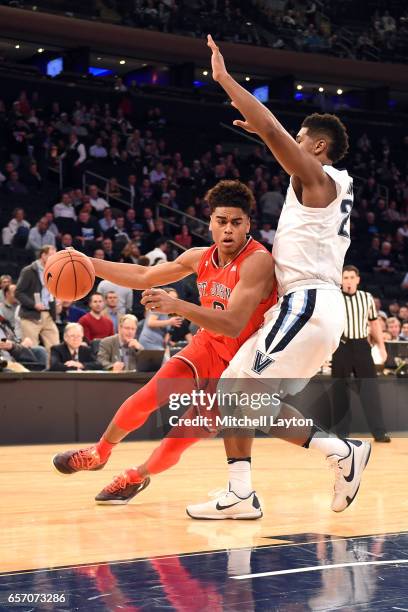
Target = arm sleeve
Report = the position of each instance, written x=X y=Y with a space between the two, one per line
x=82 y=153
x=22 y=291
x=57 y=364
x=104 y=358
x=84 y=324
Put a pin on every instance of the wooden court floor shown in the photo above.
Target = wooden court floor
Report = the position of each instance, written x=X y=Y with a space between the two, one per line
x=49 y=520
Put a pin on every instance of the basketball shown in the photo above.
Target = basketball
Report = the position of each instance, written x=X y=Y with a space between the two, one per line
x=69 y=275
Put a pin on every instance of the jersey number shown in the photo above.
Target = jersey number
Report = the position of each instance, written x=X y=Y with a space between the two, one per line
x=345 y=208
x=218 y=305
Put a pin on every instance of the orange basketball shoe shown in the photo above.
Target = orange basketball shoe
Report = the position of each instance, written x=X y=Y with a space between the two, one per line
x=76 y=461
x=121 y=490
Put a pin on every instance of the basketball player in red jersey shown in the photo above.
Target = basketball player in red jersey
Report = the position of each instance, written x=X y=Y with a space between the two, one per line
x=235 y=281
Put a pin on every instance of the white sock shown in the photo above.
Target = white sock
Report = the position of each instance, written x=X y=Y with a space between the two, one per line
x=239 y=474
x=329 y=445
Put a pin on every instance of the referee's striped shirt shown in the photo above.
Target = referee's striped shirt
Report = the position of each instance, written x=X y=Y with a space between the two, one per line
x=360 y=309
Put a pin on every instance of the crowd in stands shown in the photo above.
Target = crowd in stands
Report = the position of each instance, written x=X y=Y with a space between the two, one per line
x=152 y=205
x=318 y=27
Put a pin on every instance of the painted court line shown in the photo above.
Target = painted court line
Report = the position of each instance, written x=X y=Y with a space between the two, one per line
x=319 y=568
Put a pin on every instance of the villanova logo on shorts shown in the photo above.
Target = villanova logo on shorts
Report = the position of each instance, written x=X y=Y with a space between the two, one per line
x=261 y=362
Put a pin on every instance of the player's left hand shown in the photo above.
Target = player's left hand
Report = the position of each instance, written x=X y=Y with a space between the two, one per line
x=217 y=61
x=158 y=300
x=383 y=355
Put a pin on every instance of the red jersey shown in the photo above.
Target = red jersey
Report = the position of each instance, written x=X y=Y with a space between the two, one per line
x=215 y=285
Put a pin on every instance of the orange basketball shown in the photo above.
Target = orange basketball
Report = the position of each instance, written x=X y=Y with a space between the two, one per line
x=69 y=275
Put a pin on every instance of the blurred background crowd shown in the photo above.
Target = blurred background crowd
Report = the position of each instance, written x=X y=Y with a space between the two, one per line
x=120 y=172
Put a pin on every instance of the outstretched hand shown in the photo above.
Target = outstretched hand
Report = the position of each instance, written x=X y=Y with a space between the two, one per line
x=217 y=61
x=218 y=72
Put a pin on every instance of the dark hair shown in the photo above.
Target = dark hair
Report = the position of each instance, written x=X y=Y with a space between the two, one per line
x=92 y=295
x=160 y=241
x=231 y=194
x=331 y=126
x=351 y=268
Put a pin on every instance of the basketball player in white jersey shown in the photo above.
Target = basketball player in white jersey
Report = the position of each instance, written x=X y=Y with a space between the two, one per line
x=304 y=328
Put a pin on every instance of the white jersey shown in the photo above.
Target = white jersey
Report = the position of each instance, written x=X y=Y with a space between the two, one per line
x=311 y=243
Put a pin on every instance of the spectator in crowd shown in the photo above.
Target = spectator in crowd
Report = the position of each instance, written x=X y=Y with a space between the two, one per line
x=94 y=323
x=9 y=353
x=394 y=308
x=120 y=234
x=40 y=236
x=99 y=254
x=34 y=181
x=87 y=232
x=21 y=351
x=113 y=189
x=65 y=209
x=73 y=354
x=403 y=313
x=51 y=225
x=386 y=261
x=156 y=327
x=113 y=310
x=16 y=232
x=107 y=247
x=133 y=191
x=394 y=327
x=73 y=160
x=5 y=281
x=271 y=200
x=124 y=294
x=118 y=353
x=69 y=312
x=97 y=150
x=159 y=254
x=107 y=223
x=130 y=253
x=14 y=186
x=8 y=305
x=38 y=307
x=267 y=234
x=98 y=204
x=404 y=332
x=180 y=336
x=184 y=237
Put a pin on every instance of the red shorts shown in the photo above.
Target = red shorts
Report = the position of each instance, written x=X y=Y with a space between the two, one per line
x=202 y=357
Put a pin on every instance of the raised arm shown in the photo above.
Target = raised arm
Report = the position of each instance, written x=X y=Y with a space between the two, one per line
x=255 y=284
x=260 y=120
x=142 y=277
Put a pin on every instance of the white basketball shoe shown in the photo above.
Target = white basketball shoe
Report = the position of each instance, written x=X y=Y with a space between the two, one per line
x=348 y=471
x=227 y=505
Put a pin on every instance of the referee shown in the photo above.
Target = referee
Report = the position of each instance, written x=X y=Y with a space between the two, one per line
x=353 y=356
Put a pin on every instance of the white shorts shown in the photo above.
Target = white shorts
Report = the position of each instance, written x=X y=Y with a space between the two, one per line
x=299 y=334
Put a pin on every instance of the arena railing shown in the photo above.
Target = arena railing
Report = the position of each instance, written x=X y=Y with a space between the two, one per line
x=158 y=205
x=103 y=190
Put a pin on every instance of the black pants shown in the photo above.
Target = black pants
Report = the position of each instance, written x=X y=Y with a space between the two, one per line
x=354 y=357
